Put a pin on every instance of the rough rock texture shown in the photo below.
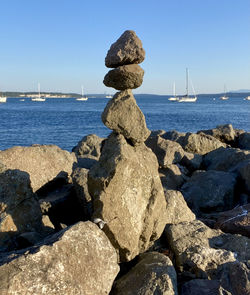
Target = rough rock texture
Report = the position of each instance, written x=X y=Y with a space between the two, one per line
x=244 y=141
x=191 y=161
x=19 y=209
x=235 y=221
x=172 y=177
x=89 y=145
x=128 y=195
x=199 y=143
x=78 y=260
x=153 y=274
x=124 y=77
x=225 y=159
x=243 y=172
x=177 y=209
x=42 y=162
x=224 y=133
x=167 y=152
x=173 y=135
x=124 y=116
x=210 y=190
x=207 y=287
x=126 y=50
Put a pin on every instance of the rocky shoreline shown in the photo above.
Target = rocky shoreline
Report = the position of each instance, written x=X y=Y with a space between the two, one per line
x=139 y=212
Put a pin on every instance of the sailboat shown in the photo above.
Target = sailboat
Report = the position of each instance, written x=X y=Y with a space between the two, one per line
x=224 y=97
x=187 y=98
x=83 y=97
x=38 y=98
x=3 y=98
x=174 y=97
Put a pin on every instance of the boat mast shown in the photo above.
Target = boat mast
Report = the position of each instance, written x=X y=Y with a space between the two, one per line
x=174 y=89
x=187 y=81
x=82 y=91
x=38 y=90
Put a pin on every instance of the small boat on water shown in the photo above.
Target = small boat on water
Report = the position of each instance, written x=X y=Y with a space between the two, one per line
x=174 y=97
x=187 y=98
x=108 y=96
x=3 y=99
x=247 y=98
x=38 y=97
x=224 y=97
x=83 y=97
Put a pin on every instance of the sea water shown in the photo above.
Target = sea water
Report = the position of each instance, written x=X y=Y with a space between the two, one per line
x=64 y=122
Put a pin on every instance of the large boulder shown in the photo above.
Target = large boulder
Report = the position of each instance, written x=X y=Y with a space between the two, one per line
x=77 y=260
x=153 y=274
x=126 y=50
x=124 y=77
x=210 y=191
x=172 y=177
x=243 y=172
x=191 y=161
x=19 y=209
x=199 y=143
x=208 y=287
x=124 y=116
x=224 y=133
x=127 y=194
x=167 y=151
x=42 y=162
x=225 y=159
x=89 y=146
x=244 y=141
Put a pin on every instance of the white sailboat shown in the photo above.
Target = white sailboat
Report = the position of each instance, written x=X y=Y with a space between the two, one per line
x=224 y=97
x=3 y=99
x=174 y=97
x=187 y=98
x=247 y=98
x=83 y=97
x=38 y=97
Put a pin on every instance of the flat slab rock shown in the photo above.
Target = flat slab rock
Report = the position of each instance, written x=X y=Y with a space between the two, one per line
x=128 y=195
x=126 y=50
x=78 y=260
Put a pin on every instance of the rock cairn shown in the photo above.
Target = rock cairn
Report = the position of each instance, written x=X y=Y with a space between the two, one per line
x=124 y=184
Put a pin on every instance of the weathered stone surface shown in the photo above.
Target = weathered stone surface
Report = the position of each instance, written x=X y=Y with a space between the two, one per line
x=19 y=209
x=225 y=159
x=243 y=172
x=204 y=287
x=244 y=141
x=128 y=195
x=126 y=50
x=89 y=145
x=239 y=279
x=124 y=77
x=42 y=162
x=235 y=221
x=124 y=116
x=177 y=209
x=167 y=151
x=173 y=135
x=199 y=143
x=210 y=190
x=78 y=260
x=172 y=177
x=153 y=274
x=191 y=161
x=224 y=133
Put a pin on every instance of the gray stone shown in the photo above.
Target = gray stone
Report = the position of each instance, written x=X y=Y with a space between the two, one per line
x=89 y=145
x=172 y=177
x=77 y=260
x=243 y=172
x=153 y=274
x=126 y=50
x=128 y=195
x=124 y=116
x=191 y=161
x=207 y=287
x=42 y=162
x=244 y=140
x=124 y=77
x=210 y=191
x=224 y=133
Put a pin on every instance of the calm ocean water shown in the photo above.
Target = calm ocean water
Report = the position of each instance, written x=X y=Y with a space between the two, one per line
x=65 y=121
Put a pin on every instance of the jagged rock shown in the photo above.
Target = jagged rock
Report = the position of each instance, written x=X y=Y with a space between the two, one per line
x=19 y=209
x=124 y=116
x=128 y=195
x=243 y=172
x=126 y=50
x=173 y=135
x=177 y=209
x=167 y=151
x=78 y=260
x=124 y=77
x=244 y=141
x=199 y=143
x=235 y=221
x=191 y=161
x=89 y=145
x=153 y=274
x=172 y=177
x=224 y=133
x=208 y=191
x=225 y=159
x=207 y=287
x=42 y=162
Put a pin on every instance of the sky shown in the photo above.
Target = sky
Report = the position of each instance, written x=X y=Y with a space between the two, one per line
x=62 y=44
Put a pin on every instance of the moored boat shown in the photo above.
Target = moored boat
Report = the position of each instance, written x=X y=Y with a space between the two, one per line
x=187 y=98
x=38 y=97
x=83 y=97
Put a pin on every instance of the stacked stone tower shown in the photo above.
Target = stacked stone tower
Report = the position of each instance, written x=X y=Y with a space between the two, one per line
x=124 y=184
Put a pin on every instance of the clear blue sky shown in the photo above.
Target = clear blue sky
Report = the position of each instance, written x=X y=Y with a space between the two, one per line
x=63 y=44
